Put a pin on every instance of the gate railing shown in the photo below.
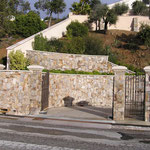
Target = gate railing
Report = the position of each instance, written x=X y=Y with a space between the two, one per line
x=134 y=96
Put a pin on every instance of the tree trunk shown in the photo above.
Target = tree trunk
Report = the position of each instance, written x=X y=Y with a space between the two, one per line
x=106 y=27
x=99 y=25
x=58 y=16
x=50 y=20
x=96 y=25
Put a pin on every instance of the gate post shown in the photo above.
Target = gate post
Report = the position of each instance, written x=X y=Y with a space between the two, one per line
x=119 y=92
x=35 y=88
x=147 y=93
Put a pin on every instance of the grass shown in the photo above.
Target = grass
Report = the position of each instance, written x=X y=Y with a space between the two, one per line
x=77 y=72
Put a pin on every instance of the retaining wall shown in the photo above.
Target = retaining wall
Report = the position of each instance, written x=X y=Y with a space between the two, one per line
x=51 y=60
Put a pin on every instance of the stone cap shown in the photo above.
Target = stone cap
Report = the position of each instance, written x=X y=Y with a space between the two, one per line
x=2 y=67
x=119 y=68
x=147 y=69
x=35 y=68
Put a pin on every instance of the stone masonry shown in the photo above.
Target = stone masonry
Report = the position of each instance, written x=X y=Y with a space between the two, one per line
x=20 y=91
x=61 y=61
x=97 y=90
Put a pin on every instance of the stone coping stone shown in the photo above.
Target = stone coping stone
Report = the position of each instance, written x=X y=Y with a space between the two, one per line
x=82 y=55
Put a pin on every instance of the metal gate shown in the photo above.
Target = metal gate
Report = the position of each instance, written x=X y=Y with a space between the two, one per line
x=134 y=97
x=45 y=91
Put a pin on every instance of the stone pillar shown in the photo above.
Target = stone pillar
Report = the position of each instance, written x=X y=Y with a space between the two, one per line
x=2 y=67
x=147 y=93
x=119 y=92
x=35 y=88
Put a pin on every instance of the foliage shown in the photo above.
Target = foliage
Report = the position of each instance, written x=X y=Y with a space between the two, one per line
x=54 y=45
x=120 y=9
x=76 y=29
x=75 y=46
x=139 y=8
x=94 y=46
x=24 y=6
x=29 y=24
x=18 y=61
x=144 y=34
x=79 y=72
x=81 y=8
x=51 y=6
x=40 y=43
x=101 y=11
x=3 y=61
x=60 y=7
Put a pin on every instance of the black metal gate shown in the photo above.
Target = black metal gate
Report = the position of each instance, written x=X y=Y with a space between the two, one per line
x=45 y=91
x=134 y=97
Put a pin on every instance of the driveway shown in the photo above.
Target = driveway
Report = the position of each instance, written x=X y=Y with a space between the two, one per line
x=78 y=112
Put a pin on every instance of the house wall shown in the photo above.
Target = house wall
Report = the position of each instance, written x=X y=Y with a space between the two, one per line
x=55 y=31
x=127 y=23
x=97 y=90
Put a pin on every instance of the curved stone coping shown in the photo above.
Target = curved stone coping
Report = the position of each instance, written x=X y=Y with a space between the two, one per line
x=69 y=54
x=31 y=37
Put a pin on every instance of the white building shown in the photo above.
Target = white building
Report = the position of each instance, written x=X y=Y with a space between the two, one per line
x=127 y=2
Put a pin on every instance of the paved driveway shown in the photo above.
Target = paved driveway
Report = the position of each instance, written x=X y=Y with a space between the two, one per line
x=78 y=112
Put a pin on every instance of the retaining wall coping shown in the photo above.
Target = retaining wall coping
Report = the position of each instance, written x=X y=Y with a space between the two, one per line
x=35 y=68
x=119 y=68
x=82 y=55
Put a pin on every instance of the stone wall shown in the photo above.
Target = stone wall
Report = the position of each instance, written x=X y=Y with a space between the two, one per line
x=51 y=60
x=20 y=92
x=97 y=90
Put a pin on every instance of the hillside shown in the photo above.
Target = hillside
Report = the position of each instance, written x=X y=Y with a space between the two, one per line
x=123 y=44
x=126 y=47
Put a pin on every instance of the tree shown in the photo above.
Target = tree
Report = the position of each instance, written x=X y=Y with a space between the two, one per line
x=76 y=29
x=83 y=7
x=93 y=3
x=120 y=8
x=24 y=6
x=109 y=16
x=60 y=6
x=144 y=34
x=51 y=6
x=29 y=24
x=139 y=8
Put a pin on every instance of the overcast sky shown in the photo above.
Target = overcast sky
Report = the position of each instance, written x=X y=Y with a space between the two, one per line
x=68 y=3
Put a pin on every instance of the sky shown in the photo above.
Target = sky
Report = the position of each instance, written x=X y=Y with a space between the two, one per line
x=68 y=3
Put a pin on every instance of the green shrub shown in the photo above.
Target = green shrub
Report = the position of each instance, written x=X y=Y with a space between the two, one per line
x=3 y=61
x=54 y=45
x=2 y=33
x=78 y=72
x=75 y=46
x=18 y=61
x=94 y=46
x=144 y=34
x=76 y=29
x=40 y=43
x=29 y=24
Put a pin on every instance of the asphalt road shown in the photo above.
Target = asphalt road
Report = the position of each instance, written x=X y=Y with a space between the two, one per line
x=45 y=134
